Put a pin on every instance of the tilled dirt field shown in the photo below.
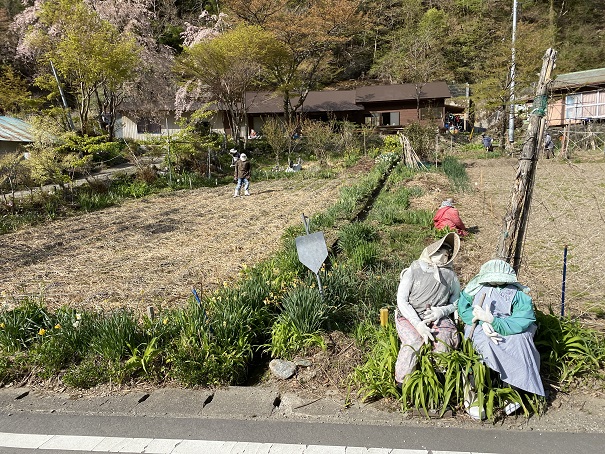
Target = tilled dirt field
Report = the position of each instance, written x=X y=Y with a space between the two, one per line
x=154 y=251
x=566 y=211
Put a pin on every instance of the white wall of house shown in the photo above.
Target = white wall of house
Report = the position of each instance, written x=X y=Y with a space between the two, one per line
x=127 y=127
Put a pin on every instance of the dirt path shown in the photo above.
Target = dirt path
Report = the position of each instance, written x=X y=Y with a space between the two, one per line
x=155 y=250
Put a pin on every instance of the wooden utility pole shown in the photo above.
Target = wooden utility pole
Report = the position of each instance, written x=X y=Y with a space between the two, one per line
x=515 y=221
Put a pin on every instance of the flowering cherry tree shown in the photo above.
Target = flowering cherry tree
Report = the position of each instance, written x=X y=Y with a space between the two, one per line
x=228 y=66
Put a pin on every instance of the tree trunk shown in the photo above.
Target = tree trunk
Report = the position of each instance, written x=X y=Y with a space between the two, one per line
x=515 y=222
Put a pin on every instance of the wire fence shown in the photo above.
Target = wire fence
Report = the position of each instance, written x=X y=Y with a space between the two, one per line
x=568 y=210
x=584 y=140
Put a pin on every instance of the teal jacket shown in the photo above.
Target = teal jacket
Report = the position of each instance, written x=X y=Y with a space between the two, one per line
x=522 y=314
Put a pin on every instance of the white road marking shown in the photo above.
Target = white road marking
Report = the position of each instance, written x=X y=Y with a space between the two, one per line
x=177 y=446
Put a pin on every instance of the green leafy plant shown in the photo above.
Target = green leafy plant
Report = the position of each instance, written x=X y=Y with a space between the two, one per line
x=20 y=327
x=374 y=378
x=456 y=172
x=304 y=307
x=304 y=314
x=113 y=333
x=422 y=388
x=365 y=255
x=351 y=235
x=143 y=356
x=287 y=340
x=567 y=350
x=341 y=288
x=422 y=218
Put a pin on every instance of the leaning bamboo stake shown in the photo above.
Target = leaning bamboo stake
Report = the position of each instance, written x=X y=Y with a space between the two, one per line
x=410 y=158
x=516 y=218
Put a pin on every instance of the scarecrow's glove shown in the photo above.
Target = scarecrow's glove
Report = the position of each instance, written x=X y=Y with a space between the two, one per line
x=432 y=314
x=482 y=314
x=425 y=332
x=491 y=334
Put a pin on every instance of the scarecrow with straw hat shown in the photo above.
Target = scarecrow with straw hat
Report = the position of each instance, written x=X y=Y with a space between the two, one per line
x=426 y=299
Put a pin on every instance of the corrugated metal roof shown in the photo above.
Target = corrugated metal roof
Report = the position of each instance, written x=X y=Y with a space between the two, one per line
x=580 y=78
x=15 y=130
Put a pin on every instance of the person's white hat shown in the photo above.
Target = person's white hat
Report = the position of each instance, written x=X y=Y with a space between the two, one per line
x=233 y=151
x=243 y=156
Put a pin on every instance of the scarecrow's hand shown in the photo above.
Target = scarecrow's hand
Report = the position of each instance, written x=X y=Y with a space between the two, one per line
x=432 y=314
x=425 y=331
x=491 y=334
x=482 y=314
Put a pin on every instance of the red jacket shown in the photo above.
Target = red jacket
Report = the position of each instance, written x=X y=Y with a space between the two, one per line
x=449 y=217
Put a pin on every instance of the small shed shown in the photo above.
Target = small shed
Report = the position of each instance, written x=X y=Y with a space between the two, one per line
x=14 y=133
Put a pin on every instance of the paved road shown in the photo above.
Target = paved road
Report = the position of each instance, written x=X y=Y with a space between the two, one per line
x=251 y=420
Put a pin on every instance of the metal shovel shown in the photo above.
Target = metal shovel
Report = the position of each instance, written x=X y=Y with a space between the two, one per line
x=312 y=250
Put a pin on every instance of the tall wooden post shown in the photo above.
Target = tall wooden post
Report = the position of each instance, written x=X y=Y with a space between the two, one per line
x=515 y=221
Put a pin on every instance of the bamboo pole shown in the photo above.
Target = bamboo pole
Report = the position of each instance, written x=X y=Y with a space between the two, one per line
x=515 y=221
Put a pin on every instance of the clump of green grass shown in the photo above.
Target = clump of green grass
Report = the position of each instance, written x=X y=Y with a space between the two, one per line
x=350 y=235
x=568 y=351
x=90 y=372
x=422 y=218
x=456 y=172
x=304 y=314
x=375 y=377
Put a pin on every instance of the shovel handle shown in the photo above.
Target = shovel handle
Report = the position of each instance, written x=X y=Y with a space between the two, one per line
x=305 y=221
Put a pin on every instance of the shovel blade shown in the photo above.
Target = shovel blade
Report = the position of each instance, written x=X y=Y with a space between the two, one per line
x=312 y=250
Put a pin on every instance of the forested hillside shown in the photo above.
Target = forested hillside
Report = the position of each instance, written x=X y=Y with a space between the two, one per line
x=108 y=52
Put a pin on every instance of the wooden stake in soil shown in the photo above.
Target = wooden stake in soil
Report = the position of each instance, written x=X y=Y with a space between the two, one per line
x=384 y=316
x=515 y=222
x=409 y=156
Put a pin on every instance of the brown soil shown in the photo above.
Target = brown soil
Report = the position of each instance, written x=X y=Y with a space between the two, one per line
x=154 y=251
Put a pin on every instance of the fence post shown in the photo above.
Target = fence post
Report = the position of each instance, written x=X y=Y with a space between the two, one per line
x=564 y=279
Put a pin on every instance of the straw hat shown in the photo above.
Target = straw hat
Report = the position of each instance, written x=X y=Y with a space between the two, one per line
x=451 y=240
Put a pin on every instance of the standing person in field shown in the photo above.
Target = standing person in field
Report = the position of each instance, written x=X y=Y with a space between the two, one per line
x=447 y=216
x=549 y=146
x=487 y=142
x=242 y=175
x=426 y=298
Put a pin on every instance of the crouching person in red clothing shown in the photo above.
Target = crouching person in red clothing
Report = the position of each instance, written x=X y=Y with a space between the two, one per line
x=447 y=216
